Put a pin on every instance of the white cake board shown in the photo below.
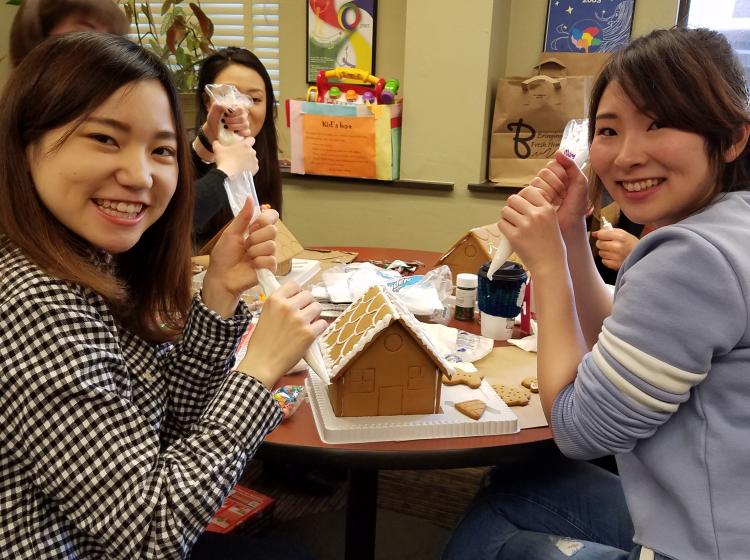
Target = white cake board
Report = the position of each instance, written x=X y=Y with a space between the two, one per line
x=497 y=419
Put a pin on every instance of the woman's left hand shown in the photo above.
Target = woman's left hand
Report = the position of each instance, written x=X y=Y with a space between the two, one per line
x=241 y=250
x=530 y=223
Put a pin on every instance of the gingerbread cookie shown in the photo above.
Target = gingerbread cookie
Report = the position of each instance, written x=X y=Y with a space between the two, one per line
x=472 y=380
x=513 y=396
x=473 y=408
x=531 y=384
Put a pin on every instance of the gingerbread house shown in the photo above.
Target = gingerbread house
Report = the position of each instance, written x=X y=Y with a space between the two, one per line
x=472 y=250
x=379 y=360
x=287 y=247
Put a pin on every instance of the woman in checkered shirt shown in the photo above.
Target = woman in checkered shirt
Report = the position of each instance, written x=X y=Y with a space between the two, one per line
x=122 y=425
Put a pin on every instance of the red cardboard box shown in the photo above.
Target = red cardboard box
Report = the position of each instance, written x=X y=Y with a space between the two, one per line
x=244 y=508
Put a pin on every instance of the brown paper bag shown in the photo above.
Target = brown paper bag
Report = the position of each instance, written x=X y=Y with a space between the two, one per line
x=558 y=64
x=528 y=121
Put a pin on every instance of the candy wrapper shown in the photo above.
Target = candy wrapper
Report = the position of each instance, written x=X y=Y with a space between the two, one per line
x=289 y=398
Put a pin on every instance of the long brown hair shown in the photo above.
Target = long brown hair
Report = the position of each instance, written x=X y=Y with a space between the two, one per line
x=268 y=178
x=689 y=79
x=36 y=18
x=61 y=83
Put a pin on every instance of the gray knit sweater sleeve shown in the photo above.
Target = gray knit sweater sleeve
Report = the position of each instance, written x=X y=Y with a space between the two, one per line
x=678 y=304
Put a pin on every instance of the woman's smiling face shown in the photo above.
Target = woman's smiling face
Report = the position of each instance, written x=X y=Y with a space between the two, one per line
x=658 y=175
x=116 y=172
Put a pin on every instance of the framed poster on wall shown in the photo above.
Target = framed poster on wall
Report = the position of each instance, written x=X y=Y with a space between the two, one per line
x=585 y=26
x=340 y=33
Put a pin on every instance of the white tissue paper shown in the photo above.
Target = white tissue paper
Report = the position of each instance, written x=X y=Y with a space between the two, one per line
x=527 y=343
x=347 y=282
x=457 y=346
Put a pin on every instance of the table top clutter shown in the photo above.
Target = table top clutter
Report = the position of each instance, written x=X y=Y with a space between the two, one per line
x=506 y=364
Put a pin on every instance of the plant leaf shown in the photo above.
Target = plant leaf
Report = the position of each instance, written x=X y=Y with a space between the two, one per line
x=14 y=2
x=205 y=47
x=182 y=58
x=166 y=22
x=172 y=39
x=165 y=6
x=207 y=26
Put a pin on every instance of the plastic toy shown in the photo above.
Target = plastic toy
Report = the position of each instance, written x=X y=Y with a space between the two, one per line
x=374 y=85
x=390 y=91
x=334 y=93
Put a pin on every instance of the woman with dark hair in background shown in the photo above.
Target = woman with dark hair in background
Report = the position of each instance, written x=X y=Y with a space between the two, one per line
x=38 y=19
x=214 y=162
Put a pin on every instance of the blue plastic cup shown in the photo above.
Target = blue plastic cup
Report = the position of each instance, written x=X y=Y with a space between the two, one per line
x=500 y=298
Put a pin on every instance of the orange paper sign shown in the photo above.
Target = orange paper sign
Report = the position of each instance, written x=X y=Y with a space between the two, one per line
x=340 y=146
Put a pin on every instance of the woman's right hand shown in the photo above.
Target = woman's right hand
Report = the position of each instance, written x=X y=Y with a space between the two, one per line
x=235 y=119
x=289 y=323
x=564 y=186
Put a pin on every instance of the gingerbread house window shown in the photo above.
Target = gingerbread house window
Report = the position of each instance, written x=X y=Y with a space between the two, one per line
x=361 y=381
x=419 y=378
x=393 y=342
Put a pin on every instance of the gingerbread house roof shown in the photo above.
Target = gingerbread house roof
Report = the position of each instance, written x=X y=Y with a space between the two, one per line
x=359 y=325
x=287 y=245
x=487 y=237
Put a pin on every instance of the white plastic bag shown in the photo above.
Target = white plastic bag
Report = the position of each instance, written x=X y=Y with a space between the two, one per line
x=575 y=141
x=426 y=296
x=242 y=186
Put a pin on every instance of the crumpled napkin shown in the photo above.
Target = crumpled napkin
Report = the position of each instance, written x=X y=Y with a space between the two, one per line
x=527 y=343
x=458 y=346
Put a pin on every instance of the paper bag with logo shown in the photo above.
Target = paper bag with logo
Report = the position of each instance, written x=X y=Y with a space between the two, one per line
x=557 y=64
x=528 y=121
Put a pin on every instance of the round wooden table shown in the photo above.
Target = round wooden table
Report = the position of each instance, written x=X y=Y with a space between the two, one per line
x=296 y=440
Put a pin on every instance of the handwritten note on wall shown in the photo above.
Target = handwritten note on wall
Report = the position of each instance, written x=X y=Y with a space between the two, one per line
x=339 y=146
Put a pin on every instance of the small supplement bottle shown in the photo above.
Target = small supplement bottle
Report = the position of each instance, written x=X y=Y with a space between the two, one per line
x=466 y=295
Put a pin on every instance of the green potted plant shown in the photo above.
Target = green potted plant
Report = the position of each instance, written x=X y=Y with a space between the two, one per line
x=182 y=39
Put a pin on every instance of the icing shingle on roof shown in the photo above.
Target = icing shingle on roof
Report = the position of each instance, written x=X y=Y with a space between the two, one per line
x=360 y=324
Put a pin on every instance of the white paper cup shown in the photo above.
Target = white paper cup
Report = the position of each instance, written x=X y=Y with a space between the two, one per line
x=498 y=328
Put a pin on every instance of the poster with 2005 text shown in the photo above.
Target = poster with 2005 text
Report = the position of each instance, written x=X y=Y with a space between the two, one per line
x=585 y=26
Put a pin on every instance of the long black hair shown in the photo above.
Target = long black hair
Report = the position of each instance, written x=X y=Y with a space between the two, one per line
x=268 y=178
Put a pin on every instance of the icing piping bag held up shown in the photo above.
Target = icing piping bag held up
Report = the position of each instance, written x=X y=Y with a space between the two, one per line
x=575 y=145
x=239 y=189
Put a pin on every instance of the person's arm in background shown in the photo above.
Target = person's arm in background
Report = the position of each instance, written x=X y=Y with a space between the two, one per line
x=210 y=195
x=614 y=245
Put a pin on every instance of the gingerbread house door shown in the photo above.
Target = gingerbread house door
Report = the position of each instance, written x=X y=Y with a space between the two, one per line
x=390 y=401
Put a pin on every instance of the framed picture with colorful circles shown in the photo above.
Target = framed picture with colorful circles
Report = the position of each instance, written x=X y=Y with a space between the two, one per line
x=340 y=34
x=587 y=26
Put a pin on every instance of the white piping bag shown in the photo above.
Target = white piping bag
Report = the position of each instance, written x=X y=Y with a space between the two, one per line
x=575 y=145
x=242 y=186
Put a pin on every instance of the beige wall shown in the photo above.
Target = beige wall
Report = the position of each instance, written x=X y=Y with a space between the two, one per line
x=445 y=122
x=448 y=56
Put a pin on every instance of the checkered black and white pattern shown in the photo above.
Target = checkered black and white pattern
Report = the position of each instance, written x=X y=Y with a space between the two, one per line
x=111 y=447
